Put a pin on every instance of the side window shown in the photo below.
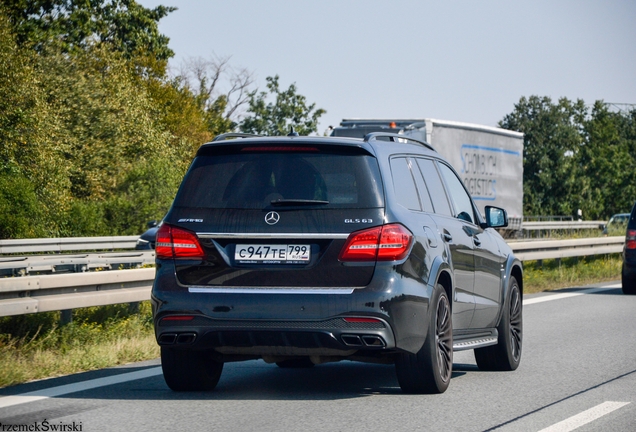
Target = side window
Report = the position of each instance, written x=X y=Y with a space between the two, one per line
x=434 y=186
x=425 y=196
x=403 y=184
x=459 y=196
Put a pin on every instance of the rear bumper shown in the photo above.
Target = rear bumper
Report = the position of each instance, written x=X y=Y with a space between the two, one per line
x=332 y=337
x=629 y=263
x=294 y=324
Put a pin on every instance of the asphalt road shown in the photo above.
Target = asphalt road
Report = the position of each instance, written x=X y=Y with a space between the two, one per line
x=578 y=372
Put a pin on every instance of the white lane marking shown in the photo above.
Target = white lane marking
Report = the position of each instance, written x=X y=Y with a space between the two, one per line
x=585 y=417
x=551 y=297
x=8 y=401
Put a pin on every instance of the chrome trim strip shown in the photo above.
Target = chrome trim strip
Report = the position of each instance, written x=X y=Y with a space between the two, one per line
x=245 y=290
x=273 y=235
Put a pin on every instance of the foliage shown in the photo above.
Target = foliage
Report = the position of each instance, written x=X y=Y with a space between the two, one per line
x=35 y=346
x=574 y=157
x=19 y=207
x=88 y=145
x=30 y=156
x=95 y=134
x=74 y=25
x=607 y=161
x=290 y=109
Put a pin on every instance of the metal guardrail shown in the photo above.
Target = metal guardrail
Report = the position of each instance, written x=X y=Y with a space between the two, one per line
x=38 y=264
x=539 y=229
x=561 y=225
x=67 y=244
x=555 y=249
x=62 y=281
x=30 y=294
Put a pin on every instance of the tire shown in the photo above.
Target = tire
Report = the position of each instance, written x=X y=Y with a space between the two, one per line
x=506 y=355
x=185 y=370
x=429 y=371
x=629 y=285
x=296 y=363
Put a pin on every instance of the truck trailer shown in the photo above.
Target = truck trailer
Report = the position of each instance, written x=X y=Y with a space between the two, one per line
x=488 y=159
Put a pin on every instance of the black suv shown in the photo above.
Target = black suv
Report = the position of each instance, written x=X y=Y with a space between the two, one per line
x=629 y=256
x=306 y=250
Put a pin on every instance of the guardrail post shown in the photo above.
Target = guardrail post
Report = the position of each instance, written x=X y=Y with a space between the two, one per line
x=66 y=317
x=133 y=307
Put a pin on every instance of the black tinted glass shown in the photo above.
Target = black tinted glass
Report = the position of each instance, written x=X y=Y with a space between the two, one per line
x=632 y=219
x=459 y=196
x=255 y=179
x=435 y=187
x=403 y=184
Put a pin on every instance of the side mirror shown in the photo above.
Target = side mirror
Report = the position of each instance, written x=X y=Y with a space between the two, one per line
x=496 y=217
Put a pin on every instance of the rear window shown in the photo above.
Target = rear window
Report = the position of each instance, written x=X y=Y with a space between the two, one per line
x=252 y=180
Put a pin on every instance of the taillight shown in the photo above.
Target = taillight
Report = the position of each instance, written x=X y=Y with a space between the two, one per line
x=173 y=242
x=394 y=243
x=362 y=245
x=630 y=239
x=386 y=243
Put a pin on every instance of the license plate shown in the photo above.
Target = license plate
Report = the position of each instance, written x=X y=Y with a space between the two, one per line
x=272 y=254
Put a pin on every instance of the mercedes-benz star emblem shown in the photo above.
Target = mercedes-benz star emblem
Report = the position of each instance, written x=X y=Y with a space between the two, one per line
x=272 y=218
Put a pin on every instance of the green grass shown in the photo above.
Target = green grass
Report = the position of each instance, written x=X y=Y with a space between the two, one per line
x=35 y=346
x=570 y=272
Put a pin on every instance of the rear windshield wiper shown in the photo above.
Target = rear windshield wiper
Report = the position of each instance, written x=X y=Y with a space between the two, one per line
x=294 y=202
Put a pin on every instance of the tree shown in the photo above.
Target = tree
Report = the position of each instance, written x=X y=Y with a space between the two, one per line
x=575 y=157
x=33 y=174
x=73 y=25
x=222 y=106
x=552 y=139
x=607 y=161
x=289 y=109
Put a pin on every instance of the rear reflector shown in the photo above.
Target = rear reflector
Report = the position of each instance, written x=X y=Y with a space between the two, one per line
x=385 y=243
x=178 y=318
x=173 y=242
x=361 y=320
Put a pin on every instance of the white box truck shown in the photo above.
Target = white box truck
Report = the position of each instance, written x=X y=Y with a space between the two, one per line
x=488 y=159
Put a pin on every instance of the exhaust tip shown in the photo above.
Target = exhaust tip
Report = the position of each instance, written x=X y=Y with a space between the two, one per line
x=186 y=338
x=351 y=340
x=167 y=338
x=373 y=341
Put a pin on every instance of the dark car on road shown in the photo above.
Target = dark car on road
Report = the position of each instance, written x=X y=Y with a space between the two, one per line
x=629 y=256
x=306 y=250
x=616 y=225
x=147 y=239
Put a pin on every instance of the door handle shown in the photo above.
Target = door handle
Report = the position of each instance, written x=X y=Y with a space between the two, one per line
x=447 y=236
x=476 y=241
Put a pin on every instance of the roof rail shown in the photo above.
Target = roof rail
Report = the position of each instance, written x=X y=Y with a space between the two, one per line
x=229 y=135
x=394 y=137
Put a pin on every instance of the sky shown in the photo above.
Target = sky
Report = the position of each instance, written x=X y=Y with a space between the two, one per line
x=459 y=60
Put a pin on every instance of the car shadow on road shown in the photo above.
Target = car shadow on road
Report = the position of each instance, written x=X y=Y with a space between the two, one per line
x=257 y=380
x=253 y=380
